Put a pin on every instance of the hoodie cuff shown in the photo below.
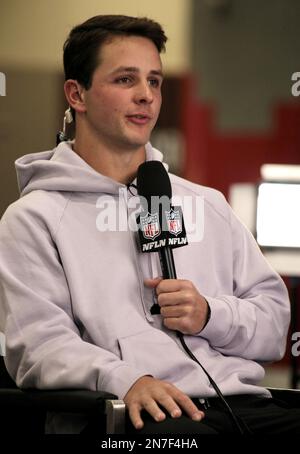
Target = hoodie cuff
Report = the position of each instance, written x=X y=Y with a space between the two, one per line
x=220 y=321
x=120 y=380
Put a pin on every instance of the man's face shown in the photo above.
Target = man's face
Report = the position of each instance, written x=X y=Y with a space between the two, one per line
x=123 y=103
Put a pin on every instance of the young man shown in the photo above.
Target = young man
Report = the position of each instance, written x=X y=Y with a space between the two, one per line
x=75 y=300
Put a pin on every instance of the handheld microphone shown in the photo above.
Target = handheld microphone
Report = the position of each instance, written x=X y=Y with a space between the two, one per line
x=161 y=226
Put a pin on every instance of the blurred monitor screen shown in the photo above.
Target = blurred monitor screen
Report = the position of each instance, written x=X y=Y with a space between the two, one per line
x=278 y=215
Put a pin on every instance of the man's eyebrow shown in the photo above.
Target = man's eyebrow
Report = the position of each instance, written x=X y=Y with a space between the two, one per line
x=157 y=72
x=133 y=69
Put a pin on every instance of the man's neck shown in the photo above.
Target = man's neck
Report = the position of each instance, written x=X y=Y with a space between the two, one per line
x=117 y=164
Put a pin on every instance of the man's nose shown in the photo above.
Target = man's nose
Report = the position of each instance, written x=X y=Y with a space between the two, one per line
x=143 y=93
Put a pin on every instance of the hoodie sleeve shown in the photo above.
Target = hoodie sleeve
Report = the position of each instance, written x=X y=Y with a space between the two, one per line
x=44 y=349
x=253 y=321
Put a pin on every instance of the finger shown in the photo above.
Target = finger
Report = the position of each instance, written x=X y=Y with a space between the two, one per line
x=169 y=285
x=171 y=406
x=153 y=409
x=175 y=285
x=152 y=283
x=189 y=407
x=171 y=299
x=135 y=416
x=174 y=323
x=174 y=311
x=186 y=325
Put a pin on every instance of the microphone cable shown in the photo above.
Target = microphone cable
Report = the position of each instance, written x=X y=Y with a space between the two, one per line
x=242 y=430
x=129 y=186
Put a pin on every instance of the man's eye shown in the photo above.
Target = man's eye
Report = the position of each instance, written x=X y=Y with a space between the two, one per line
x=123 y=80
x=154 y=82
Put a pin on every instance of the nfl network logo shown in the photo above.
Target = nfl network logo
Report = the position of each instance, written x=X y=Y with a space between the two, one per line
x=174 y=221
x=150 y=226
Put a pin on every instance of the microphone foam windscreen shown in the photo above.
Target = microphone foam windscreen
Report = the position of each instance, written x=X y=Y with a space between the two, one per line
x=153 y=180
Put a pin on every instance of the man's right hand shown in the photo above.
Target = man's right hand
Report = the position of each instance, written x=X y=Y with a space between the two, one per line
x=149 y=394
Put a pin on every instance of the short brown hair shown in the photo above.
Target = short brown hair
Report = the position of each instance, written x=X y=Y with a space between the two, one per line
x=81 y=48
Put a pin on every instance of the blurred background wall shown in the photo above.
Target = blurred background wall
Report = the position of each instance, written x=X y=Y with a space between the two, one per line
x=245 y=52
x=243 y=56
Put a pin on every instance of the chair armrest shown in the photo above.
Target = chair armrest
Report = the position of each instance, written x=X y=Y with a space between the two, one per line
x=68 y=401
x=65 y=400
x=115 y=416
x=290 y=396
x=62 y=401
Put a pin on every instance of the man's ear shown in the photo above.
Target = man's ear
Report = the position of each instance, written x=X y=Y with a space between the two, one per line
x=75 y=95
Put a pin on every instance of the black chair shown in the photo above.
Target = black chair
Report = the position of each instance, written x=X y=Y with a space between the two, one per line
x=24 y=411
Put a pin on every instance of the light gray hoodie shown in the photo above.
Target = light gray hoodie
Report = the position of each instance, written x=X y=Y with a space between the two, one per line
x=73 y=305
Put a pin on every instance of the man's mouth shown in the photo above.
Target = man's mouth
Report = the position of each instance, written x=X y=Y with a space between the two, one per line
x=139 y=119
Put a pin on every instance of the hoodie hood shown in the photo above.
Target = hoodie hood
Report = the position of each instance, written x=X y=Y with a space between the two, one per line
x=61 y=169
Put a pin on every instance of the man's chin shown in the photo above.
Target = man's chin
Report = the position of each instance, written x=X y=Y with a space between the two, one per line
x=138 y=142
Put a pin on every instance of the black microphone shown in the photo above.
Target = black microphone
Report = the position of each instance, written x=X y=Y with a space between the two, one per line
x=161 y=226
